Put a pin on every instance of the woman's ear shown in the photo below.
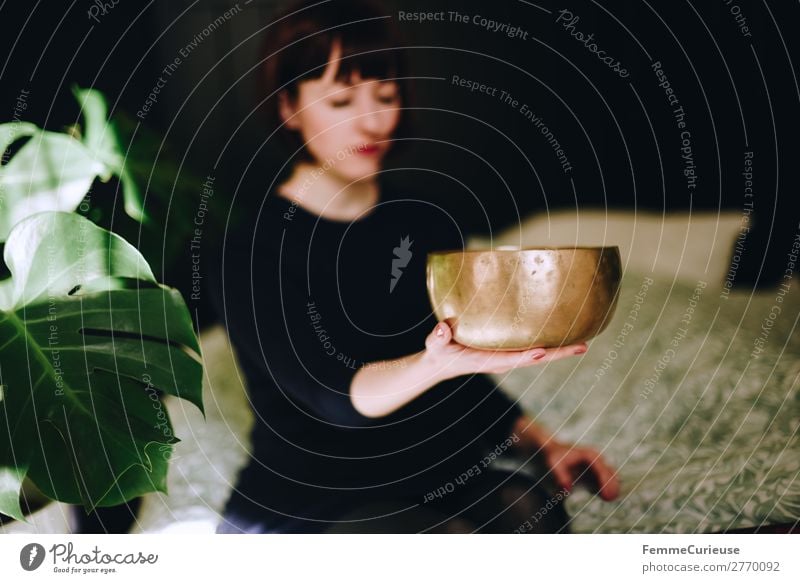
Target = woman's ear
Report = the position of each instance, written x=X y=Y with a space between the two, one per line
x=287 y=110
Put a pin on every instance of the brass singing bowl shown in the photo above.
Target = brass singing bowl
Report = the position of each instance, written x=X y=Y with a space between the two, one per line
x=516 y=299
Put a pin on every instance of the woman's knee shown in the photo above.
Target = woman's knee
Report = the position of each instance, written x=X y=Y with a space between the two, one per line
x=516 y=504
x=531 y=509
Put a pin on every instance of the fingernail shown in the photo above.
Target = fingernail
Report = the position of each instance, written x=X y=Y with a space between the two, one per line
x=536 y=355
x=579 y=351
x=439 y=330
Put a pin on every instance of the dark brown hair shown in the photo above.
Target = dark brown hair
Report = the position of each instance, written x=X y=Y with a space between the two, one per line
x=298 y=45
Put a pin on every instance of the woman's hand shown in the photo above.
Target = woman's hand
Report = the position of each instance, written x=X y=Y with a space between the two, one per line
x=451 y=359
x=382 y=389
x=570 y=462
x=566 y=462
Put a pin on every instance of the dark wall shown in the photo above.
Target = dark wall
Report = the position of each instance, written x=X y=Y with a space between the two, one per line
x=621 y=140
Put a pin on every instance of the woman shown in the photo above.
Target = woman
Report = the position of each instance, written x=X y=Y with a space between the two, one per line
x=358 y=396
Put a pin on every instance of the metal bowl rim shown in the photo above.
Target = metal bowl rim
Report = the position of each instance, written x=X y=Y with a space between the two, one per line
x=525 y=249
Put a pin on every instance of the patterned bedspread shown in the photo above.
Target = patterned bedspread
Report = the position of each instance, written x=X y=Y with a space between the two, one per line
x=694 y=395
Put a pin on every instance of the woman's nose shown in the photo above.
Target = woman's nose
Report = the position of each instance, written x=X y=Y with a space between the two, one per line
x=374 y=117
x=370 y=120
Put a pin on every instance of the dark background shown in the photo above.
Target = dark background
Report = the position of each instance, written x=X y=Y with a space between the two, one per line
x=472 y=153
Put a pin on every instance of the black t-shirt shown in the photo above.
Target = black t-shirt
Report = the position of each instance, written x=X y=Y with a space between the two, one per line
x=307 y=301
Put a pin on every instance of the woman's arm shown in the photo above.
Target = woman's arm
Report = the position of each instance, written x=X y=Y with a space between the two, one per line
x=383 y=387
x=533 y=437
x=567 y=462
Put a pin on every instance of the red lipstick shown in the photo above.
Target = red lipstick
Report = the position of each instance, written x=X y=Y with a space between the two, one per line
x=368 y=149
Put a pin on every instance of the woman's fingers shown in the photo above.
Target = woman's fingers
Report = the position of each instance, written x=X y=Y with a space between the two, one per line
x=600 y=474
x=498 y=361
x=440 y=336
x=562 y=476
x=471 y=360
x=606 y=480
x=568 y=463
x=504 y=360
x=564 y=352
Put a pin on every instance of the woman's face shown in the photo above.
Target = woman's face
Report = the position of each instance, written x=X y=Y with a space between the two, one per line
x=346 y=127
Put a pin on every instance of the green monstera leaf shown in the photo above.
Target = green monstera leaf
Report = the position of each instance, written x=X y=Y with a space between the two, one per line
x=88 y=339
x=53 y=171
x=102 y=137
